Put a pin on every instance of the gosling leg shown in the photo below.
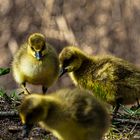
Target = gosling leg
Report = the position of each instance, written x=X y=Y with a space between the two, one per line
x=44 y=89
x=26 y=92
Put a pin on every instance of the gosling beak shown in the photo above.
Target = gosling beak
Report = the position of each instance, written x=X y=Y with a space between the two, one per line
x=26 y=130
x=62 y=71
x=38 y=55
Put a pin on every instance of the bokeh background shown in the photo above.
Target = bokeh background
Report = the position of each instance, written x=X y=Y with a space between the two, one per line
x=96 y=26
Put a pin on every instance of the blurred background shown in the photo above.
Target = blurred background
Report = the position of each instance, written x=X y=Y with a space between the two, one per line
x=96 y=26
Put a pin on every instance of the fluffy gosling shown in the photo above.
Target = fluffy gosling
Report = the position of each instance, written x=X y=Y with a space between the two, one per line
x=68 y=114
x=112 y=79
x=36 y=62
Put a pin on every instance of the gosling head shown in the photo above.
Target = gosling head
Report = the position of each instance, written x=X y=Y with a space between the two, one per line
x=37 y=45
x=31 y=111
x=70 y=59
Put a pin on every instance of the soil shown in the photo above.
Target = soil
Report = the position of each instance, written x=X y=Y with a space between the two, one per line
x=11 y=126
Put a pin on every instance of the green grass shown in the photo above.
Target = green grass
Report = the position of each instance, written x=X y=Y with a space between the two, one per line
x=14 y=96
x=131 y=112
x=115 y=134
x=2 y=93
x=4 y=71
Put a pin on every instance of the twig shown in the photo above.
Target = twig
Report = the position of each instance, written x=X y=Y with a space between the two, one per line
x=14 y=129
x=132 y=130
x=8 y=114
x=127 y=121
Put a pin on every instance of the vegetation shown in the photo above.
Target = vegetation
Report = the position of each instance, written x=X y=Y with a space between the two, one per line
x=4 y=71
x=125 y=126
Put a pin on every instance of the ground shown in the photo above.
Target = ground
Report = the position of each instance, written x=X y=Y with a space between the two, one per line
x=95 y=26
x=11 y=126
x=125 y=127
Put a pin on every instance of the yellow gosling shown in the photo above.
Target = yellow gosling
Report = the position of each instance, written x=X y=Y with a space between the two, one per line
x=112 y=79
x=36 y=62
x=68 y=114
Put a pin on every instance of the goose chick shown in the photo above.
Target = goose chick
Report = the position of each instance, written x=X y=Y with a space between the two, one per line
x=36 y=62
x=112 y=79
x=68 y=114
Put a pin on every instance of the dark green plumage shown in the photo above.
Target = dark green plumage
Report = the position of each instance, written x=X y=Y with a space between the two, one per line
x=112 y=79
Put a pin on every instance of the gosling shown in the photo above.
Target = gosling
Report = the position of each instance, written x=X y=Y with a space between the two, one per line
x=68 y=114
x=36 y=62
x=112 y=79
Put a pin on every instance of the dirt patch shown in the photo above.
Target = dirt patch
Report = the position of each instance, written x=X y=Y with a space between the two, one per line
x=124 y=127
x=11 y=126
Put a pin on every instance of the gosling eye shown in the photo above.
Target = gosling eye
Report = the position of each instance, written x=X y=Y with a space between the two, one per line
x=68 y=61
x=43 y=47
x=32 y=48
